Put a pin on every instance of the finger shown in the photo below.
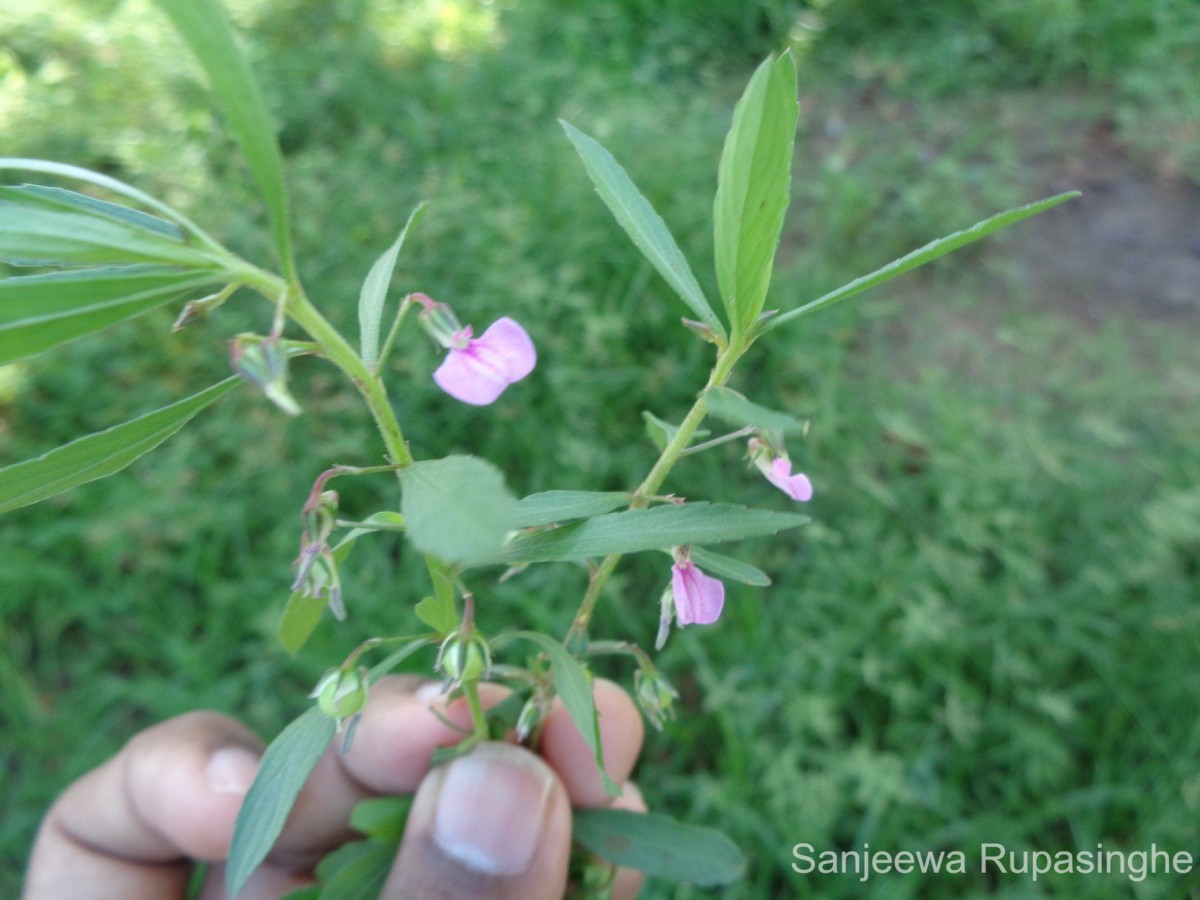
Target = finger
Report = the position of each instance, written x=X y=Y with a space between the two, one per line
x=126 y=829
x=494 y=823
x=405 y=720
x=621 y=733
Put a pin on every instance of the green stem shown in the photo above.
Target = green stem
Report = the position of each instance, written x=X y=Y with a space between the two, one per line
x=479 y=726
x=726 y=359
x=340 y=353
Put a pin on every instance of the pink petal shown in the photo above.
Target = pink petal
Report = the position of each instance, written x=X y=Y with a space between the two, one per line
x=797 y=486
x=479 y=372
x=698 y=597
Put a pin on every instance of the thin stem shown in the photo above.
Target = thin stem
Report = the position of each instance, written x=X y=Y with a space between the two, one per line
x=717 y=441
x=726 y=359
x=479 y=724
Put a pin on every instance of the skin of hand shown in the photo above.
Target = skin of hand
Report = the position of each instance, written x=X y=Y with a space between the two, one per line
x=495 y=823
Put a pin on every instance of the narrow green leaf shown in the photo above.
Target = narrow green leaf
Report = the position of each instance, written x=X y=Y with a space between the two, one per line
x=922 y=255
x=456 y=508
x=72 y=201
x=300 y=618
x=437 y=614
x=660 y=846
x=396 y=657
x=735 y=409
x=358 y=870
x=722 y=566
x=656 y=528
x=37 y=235
x=562 y=506
x=47 y=167
x=382 y=818
x=574 y=686
x=753 y=188
x=661 y=432
x=206 y=30
x=644 y=226
x=374 y=292
x=284 y=769
x=38 y=312
x=99 y=454
x=308 y=893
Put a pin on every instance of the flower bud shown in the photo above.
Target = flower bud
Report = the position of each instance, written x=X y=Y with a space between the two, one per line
x=263 y=363
x=655 y=696
x=463 y=660
x=341 y=694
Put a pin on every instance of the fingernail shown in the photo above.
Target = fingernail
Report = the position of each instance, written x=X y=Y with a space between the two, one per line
x=431 y=692
x=231 y=770
x=492 y=809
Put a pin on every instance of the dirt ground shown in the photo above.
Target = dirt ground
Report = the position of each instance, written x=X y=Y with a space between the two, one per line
x=1129 y=245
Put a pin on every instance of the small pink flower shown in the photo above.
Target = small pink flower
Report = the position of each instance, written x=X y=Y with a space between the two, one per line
x=477 y=370
x=698 y=597
x=779 y=473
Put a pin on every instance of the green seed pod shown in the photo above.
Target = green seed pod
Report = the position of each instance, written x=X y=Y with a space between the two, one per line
x=342 y=693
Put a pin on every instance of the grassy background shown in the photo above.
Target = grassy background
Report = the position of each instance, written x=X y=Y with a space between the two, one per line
x=989 y=634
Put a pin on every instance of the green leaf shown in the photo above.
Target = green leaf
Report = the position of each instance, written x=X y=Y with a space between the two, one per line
x=38 y=312
x=36 y=236
x=382 y=818
x=656 y=528
x=308 y=893
x=661 y=432
x=72 y=201
x=456 y=508
x=47 y=167
x=643 y=225
x=562 y=506
x=753 y=189
x=435 y=613
x=206 y=30
x=300 y=619
x=284 y=769
x=732 y=407
x=357 y=871
x=727 y=567
x=574 y=686
x=374 y=293
x=660 y=846
x=396 y=657
x=99 y=454
x=922 y=255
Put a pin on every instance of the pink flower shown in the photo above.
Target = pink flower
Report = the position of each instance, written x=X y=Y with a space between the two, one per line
x=698 y=597
x=477 y=370
x=779 y=473
x=777 y=469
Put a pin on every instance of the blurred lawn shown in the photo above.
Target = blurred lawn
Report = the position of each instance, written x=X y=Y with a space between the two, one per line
x=990 y=633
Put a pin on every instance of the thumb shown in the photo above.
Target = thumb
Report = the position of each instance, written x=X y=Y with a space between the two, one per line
x=492 y=824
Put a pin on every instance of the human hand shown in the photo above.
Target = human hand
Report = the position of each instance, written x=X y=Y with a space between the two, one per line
x=495 y=823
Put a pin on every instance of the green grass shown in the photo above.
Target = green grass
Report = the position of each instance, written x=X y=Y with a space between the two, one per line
x=990 y=632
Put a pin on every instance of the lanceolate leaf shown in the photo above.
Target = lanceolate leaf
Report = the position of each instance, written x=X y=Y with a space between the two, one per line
x=374 y=293
x=721 y=566
x=58 y=198
x=732 y=407
x=643 y=225
x=660 y=846
x=38 y=312
x=37 y=235
x=46 y=167
x=100 y=454
x=456 y=508
x=284 y=769
x=922 y=255
x=648 y=529
x=563 y=506
x=205 y=28
x=574 y=687
x=753 y=185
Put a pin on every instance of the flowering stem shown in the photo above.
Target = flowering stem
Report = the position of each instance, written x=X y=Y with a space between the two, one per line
x=726 y=359
x=339 y=352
